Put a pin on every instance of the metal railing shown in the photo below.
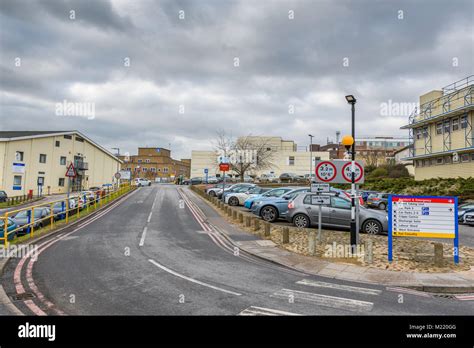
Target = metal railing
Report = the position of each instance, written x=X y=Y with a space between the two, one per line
x=62 y=209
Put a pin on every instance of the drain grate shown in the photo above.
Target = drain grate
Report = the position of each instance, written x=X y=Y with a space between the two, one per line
x=23 y=296
x=446 y=296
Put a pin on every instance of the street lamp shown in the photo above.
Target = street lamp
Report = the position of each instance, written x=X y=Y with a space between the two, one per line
x=310 y=158
x=352 y=100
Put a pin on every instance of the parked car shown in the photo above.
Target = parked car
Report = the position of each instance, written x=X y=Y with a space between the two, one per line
x=469 y=219
x=378 y=200
x=142 y=182
x=3 y=196
x=11 y=226
x=291 y=177
x=273 y=208
x=234 y=188
x=211 y=180
x=238 y=198
x=313 y=177
x=365 y=194
x=212 y=191
x=276 y=192
x=303 y=214
x=464 y=209
x=59 y=209
x=268 y=178
x=21 y=219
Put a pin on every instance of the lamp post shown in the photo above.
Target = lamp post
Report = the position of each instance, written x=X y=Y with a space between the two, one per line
x=310 y=158
x=352 y=100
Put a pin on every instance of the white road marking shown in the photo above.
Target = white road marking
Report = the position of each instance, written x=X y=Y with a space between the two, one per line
x=408 y=291
x=149 y=216
x=142 y=240
x=325 y=300
x=465 y=297
x=318 y=284
x=253 y=311
x=191 y=279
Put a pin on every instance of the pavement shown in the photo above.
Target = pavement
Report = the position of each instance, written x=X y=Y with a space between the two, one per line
x=162 y=250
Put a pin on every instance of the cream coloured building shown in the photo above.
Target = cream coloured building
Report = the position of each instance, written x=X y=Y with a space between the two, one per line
x=285 y=158
x=441 y=130
x=29 y=159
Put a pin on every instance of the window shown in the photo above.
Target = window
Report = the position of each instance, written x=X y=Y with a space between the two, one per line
x=439 y=128
x=340 y=203
x=291 y=160
x=426 y=163
x=58 y=143
x=152 y=169
x=165 y=170
x=68 y=137
x=79 y=139
x=144 y=170
x=19 y=156
x=447 y=126
x=464 y=122
x=61 y=182
x=42 y=158
x=17 y=180
x=448 y=159
x=433 y=161
x=139 y=161
x=425 y=133
x=472 y=156
x=455 y=124
x=418 y=133
x=147 y=161
x=159 y=169
x=439 y=160
x=62 y=160
x=465 y=157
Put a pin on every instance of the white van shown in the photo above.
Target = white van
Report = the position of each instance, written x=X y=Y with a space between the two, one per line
x=142 y=182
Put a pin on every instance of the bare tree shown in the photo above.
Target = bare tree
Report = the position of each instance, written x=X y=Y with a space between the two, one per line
x=246 y=153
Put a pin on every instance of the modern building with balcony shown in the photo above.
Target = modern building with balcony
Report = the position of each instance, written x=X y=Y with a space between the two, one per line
x=38 y=161
x=440 y=130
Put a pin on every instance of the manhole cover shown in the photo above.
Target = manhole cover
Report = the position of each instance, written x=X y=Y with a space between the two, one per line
x=23 y=296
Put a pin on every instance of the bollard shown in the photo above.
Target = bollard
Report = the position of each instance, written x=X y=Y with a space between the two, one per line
x=234 y=214
x=312 y=242
x=267 y=228
x=229 y=212
x=369 y=251
x=247 y=221
x=241 y=218
x=285 y=235
x=256 y=224
x=225 y=209
x=438 y=255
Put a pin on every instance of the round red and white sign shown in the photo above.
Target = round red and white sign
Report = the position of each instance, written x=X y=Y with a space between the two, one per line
x=347 y=172
x=326 y=171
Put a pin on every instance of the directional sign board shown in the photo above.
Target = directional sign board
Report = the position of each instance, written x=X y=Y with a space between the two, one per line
x=423 y=217
x=320 y=188
x=338 y=172
x=71 y=171
x=320 y=200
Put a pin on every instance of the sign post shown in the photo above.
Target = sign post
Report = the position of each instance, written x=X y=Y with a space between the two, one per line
x=423 y=217
x=224 y=167
x=206 y=171
x=70 y=173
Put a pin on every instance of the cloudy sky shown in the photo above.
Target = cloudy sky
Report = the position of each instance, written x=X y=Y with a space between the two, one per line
x=174 y=72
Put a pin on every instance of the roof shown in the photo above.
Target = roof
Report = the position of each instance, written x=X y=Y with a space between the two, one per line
x=22 y=135
x=403 y=149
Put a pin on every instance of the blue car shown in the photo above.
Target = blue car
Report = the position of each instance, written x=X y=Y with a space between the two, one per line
x=11 y=226
x=274 y=208
x=276 y=192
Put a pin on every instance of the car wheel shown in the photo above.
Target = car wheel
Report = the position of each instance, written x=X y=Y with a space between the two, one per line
x=234 y=201
x=149 y=184
x=382 y=206
x=372 y=227
x=269 y=214
x=212 y=193
x=301 y=221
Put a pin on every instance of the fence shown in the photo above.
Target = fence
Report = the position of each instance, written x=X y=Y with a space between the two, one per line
x=27 y=220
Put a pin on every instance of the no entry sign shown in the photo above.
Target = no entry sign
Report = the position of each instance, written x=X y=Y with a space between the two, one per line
x=224 y=167
x=338 y=172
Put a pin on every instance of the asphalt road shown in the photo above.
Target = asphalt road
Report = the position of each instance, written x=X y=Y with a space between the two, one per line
x=160 y=252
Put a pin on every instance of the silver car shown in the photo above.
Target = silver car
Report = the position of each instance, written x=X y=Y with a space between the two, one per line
x=338 y=214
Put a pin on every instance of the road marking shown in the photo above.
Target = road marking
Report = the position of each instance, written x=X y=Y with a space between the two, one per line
x=466 y=297
x=253 y=311
x=191 y=279
x=325 y=300
x=149 y=216
x=408 y=291
x=318 y=284
x=142 y=240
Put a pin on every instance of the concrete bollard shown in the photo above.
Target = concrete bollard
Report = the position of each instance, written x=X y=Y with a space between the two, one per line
x=312 y=242
x=285 y=235
x=241 y=218
x=225 y=208
x=369 y=256
x=267 y=227
x=438 y=255
x=234 y=214
x=229 y=211
x=256 y=224
x=247 y=221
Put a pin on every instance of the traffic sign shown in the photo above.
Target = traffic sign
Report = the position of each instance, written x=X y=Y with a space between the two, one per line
x=325 y=171
x=320 y=200
x=71 y=171
x=423 y=216
x=206 y=171
x=347 y=172
x=224 y=167
x=117 y=175
x=338 y=172
x=320 y=188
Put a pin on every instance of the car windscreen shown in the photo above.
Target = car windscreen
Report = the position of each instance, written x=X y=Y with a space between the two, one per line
x=276 y=192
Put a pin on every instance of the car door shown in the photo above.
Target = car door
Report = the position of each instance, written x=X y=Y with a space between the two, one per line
x=313 y=211
x=340 y=212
